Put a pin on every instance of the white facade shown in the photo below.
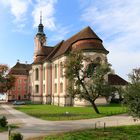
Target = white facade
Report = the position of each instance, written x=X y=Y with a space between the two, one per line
x=52 y=83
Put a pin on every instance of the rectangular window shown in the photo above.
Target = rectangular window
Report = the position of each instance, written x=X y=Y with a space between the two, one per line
x=55 y=69
x=55 y=88
x=19 y=81
x=25 y=88
x=19 y=88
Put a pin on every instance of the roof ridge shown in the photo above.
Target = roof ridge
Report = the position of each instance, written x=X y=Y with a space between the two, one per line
x=86 y=29
x=56 y=47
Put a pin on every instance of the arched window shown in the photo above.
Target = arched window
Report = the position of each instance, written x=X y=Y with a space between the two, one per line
x=61 y=69
x=43 y=88
x=92 y=66
x=44 y=73
x=55 y=70
x=55 y=88
x=61 y=87
x=91 y=69
x=36 y=88
x=36 y=74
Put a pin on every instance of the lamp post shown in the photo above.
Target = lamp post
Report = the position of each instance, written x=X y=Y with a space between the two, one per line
x=9 y=132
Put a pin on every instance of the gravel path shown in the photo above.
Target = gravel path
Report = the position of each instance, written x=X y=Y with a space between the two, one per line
x=33 y=127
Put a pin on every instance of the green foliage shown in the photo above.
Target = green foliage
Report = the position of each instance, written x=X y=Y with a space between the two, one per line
x=88 y=82
x=3 y=121
x=135 y=76
x=74 y=65
x=16 y=136
x=132 y=99
x=132 y=94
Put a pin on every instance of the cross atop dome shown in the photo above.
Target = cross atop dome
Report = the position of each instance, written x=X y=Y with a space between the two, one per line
x=40 y=17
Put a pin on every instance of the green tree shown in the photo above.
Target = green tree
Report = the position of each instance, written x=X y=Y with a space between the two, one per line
x=6 y=80
x=89 y=82
x=132 y=94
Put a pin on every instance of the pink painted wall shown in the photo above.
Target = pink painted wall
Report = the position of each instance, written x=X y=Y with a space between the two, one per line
x=20 y=89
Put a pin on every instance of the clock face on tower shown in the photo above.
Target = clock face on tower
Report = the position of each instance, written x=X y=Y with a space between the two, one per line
x=42 y=39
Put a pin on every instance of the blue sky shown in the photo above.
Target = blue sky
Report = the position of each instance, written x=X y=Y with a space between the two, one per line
x=116 y=22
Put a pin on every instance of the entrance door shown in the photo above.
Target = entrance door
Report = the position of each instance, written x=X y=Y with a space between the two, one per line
x=19 y=98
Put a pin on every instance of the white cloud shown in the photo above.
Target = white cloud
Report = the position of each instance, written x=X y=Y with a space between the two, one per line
x=117 y=22
x=48 y=11
x=20 y=11
x=47 y=7
x=123 y=62
x=18 y=8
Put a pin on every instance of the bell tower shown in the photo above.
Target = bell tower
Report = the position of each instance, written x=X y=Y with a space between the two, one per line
x=40 y=38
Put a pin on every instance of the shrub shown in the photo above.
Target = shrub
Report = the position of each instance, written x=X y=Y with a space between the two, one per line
x=116 y=101
x=3 y=121
x=16 y=136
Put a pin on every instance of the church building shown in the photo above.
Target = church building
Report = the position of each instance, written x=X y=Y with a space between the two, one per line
x=44 y=82
x=47 y=83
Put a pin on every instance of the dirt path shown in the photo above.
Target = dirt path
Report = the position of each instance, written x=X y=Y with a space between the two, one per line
x=32 y=127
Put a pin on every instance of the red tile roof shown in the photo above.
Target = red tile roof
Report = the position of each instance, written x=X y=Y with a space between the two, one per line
x=86 y=33
x=49 y=53
x=114 y=79
x=20 y=69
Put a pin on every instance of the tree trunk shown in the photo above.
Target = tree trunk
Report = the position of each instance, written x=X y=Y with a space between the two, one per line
x=95 y=107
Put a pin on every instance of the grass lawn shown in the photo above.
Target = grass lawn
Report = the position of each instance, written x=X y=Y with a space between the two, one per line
x=51 y=112
x=111 y=133
x=3 y=129
x=6 y=128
